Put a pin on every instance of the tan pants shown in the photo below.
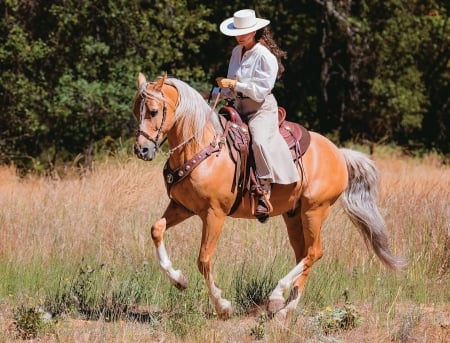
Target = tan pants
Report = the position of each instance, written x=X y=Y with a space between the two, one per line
x=272 y=156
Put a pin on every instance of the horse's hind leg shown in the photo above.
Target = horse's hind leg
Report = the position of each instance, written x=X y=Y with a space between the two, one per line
x=173 y=215
x=304 y=235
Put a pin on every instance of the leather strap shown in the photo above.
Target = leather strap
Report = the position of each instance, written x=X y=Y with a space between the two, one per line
x=172 y=177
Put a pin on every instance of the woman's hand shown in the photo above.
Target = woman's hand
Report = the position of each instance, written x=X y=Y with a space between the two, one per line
x=226 y=83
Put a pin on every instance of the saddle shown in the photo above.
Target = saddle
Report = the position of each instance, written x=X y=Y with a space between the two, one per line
x=239 y=143
x=237 y=137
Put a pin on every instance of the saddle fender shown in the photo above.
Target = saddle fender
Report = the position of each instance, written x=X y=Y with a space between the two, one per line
x=239 y=140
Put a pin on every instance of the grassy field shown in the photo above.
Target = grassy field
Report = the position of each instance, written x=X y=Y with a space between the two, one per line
x=77 y=264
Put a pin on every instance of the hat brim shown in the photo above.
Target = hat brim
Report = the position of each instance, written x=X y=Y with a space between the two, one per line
x=228 y=29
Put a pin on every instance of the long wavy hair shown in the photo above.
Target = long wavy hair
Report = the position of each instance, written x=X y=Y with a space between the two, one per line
x=264 y=36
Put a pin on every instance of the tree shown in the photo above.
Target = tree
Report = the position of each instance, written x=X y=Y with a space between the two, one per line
x=69 y=67
x=355 y=70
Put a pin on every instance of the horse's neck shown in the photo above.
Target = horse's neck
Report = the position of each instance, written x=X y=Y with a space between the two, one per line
x=182 y=150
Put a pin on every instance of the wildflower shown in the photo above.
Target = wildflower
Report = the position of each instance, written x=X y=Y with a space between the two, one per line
x=328 y=309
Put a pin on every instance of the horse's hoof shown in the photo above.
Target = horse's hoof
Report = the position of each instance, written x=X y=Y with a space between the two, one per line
x=180 y=287
x=181 y=282
x=225 y=314
x=226 y=310
x=274 y=306
x=281 y=315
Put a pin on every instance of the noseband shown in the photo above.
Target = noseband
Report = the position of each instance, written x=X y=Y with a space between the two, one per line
x=144 y=94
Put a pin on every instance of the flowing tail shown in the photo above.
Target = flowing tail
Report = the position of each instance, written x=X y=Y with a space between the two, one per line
x=359 y=202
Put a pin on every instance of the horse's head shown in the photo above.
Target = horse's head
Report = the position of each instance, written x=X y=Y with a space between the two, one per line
x=154 y=110
x=170 y=108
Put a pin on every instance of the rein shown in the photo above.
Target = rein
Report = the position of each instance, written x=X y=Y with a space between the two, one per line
x=172 y=177
x=171 y=151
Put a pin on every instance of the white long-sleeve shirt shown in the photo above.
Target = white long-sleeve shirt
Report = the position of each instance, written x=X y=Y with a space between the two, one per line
x=255 y=71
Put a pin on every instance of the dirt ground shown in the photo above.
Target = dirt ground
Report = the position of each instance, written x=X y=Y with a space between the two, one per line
x=411 y=323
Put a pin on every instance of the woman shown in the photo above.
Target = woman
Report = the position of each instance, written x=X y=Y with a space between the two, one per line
x=254 y=66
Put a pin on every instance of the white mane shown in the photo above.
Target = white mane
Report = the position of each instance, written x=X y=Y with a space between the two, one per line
x=193 y=110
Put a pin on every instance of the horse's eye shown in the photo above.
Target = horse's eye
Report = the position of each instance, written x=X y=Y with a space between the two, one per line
x=153 y=112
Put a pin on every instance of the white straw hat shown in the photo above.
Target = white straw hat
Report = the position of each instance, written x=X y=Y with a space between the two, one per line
x=243 y=22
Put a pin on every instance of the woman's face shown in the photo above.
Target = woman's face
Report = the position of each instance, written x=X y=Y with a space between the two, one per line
x=247 y=40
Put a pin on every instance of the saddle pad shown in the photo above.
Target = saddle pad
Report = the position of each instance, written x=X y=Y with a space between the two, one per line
x=295 y=135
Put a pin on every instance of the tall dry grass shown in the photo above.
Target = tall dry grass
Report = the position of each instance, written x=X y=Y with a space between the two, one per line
x=106 y=214
x=50 y=227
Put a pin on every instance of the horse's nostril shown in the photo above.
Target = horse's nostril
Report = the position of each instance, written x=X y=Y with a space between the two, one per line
x=145 y=152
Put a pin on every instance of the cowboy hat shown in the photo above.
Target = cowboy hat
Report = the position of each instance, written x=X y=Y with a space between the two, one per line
x=242 y=22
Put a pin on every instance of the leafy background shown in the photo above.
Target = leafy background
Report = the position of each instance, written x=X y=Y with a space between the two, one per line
x=366 y=71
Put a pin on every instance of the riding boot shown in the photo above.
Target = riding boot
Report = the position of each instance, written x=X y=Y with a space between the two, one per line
x=263 y=207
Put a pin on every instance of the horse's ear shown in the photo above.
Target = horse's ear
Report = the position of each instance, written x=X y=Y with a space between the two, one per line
x=141 y=79
x=160 y=83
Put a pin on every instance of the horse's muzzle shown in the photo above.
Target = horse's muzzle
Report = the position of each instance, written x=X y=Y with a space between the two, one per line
x=145 y=151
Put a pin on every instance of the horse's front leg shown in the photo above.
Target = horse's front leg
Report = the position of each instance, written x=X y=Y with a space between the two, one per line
x=212 y=228
x=173 y=215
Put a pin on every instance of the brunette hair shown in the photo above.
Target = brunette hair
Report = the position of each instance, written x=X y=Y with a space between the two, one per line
x=264 y=36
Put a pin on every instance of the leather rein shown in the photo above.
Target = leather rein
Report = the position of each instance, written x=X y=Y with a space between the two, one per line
x=172 y=177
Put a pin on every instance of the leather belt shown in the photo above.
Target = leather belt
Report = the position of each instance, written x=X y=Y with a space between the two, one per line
x=239 y=95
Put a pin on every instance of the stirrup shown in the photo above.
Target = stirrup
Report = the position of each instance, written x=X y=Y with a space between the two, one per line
x=262 y=210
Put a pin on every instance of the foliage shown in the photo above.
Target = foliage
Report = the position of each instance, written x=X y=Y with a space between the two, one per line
x=365 y=70
x=252 y=289
x=68 y=70
x=29 y=323
x=100 y=293
x=184 y=315
x=344 y=318
x=258 y=331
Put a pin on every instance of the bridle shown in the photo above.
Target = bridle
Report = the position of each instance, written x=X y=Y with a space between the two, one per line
x=144 y=94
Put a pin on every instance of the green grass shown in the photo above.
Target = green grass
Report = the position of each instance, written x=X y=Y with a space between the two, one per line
x=82 y=250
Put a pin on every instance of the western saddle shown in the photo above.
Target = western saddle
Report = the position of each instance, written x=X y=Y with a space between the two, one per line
x=239 y=141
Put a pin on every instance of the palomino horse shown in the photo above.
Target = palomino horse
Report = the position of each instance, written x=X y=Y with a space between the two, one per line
x=169 y=108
